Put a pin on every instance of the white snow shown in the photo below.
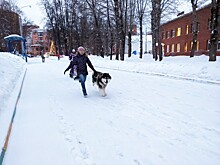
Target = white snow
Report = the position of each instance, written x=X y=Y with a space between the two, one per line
x=13 y=35
x=154 y=112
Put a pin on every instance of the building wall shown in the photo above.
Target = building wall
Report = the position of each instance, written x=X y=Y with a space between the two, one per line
x=27 y=33
x=40 y=42
x=182 y=43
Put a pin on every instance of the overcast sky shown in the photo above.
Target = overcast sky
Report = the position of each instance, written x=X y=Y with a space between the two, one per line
x=34 y=13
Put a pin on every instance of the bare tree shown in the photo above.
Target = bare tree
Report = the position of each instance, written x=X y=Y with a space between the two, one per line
x=110 y=30
x=95 y=8
x=195 y=24
x=131 y=23
x=194 y=27
x=155 y=27
x=160 y=8
x=141 y=7
x=120 y=9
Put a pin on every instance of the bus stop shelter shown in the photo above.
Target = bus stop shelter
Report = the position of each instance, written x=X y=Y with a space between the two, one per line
x=16 y=37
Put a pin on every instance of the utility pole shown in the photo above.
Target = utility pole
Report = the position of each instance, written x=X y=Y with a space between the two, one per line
x=21 y=33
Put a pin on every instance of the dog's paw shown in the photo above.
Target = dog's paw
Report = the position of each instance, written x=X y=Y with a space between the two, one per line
x=103 y=95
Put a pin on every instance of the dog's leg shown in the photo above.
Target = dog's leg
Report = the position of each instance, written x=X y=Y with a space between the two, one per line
x=102 y=92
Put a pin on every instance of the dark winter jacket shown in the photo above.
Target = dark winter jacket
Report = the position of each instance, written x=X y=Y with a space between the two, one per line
x=80 y=61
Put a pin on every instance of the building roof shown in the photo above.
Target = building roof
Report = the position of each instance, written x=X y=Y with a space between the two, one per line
x=14 y=37
x=184 y=15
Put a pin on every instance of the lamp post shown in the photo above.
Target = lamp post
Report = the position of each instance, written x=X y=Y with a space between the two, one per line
x=20 y=20
x=21 y=32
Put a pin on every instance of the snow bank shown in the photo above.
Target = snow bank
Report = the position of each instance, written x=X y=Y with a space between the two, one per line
x=197 y=68
x=11 y=67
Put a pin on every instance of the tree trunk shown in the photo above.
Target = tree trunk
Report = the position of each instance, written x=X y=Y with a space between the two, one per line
x=214 y=30
x=154 y=52
x=129 y=44
x=159 y=40
x=122 y=47
x=155 y=26
x=194 y=29
x=117 y=49
x=141 y=37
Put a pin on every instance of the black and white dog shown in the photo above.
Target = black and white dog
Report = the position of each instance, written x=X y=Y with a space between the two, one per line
x=101 y=80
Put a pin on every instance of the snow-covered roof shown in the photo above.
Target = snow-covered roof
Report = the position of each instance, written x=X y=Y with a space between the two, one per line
x=14 y=37
x=36 y=45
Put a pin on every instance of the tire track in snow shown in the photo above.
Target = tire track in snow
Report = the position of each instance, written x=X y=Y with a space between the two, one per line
x=78 y=148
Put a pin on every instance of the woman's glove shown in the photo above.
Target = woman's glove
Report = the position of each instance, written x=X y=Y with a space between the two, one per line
x=64 y=71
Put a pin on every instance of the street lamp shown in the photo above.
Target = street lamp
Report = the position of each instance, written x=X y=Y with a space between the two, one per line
x=20 y=20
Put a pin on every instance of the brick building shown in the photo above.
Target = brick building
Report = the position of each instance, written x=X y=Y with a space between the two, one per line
x=176 y=35
x=27 y=33
x=40 y=41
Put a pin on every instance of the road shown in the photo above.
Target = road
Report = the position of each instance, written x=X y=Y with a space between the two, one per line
x=145 y=119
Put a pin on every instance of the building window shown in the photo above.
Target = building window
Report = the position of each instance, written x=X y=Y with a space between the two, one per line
x=163 y=35
x=168 y=48
x=187 y=29
x=172 y=48
x=40 y=34
x=167 y=34
x=178 y=31
x=178 y=47
x=172 y=33
x=209 y=24
x=191 y=44
x=197 y=45
x=218 y=46
x=198 y=26
x=186 y=47
x=207 y=46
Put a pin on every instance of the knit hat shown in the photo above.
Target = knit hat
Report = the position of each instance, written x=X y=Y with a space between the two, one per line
x=81 y=48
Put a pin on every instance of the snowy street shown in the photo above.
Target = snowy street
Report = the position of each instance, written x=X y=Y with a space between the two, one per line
x=143 y=120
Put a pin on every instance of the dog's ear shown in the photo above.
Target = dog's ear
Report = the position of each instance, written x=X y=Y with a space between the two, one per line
x=108 y=75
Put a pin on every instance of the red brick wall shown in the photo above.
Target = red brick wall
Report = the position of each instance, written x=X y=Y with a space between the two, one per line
x=203 y=16
x=41 y=41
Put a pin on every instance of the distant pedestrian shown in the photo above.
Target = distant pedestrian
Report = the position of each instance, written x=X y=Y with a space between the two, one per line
x=73 y=70
x=42 y=56
x=72 y=54
x=80 y=60
x=58 y=56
